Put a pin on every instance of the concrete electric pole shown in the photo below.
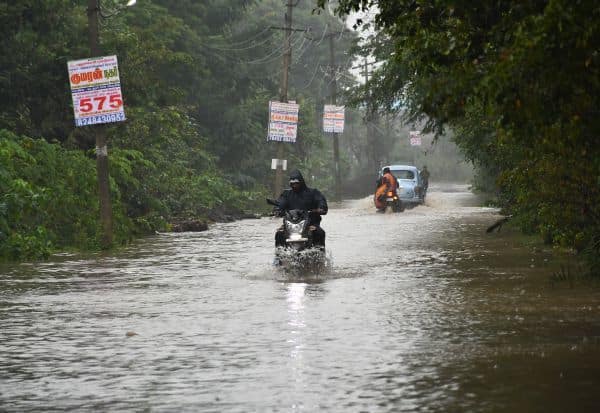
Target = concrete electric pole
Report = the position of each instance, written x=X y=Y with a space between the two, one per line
x=93 y=12
x=370 y=117
x=283 y=95
x=333 y=96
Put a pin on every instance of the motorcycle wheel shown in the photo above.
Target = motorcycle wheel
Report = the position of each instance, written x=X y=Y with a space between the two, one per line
x=398 y=207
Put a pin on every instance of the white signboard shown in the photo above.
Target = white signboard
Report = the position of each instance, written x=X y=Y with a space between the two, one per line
x=283 y=122
x=279 y=162
x=415 y=138
x=333 y=119
x=96 y=90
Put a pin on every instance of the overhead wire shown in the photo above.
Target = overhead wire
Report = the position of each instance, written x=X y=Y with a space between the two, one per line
x=311 y=79
x=323 y=35
x=311 y=45
x=339 y=71
x=279 y=51
x=276 y=53
x=233 y=49
x=236 y=59
x=250 y=39
x=271 y=56
x=302 y=50
x=298 y=56
x=329 y=73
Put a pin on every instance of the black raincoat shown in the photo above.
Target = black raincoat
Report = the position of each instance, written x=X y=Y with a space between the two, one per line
x=306 y=199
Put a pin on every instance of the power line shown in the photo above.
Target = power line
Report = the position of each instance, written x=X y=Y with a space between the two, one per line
x=274 y=54
x=265 y=30
x=302 y=52
x=271 y=56
x=323 y=35
x=312 y=78
x=277 y=51
x=232 y=49
x=338 y=72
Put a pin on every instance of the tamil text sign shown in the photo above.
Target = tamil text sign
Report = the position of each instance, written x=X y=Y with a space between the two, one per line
x=333 y=119
x=96 y=90
x=283 y=122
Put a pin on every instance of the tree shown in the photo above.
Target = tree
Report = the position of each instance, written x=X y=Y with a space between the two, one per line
x=519 y=81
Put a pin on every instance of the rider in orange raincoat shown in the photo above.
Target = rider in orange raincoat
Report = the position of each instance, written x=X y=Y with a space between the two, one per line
x=388 y=183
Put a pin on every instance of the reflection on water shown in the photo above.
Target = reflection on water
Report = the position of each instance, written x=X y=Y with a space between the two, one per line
x=420 y=310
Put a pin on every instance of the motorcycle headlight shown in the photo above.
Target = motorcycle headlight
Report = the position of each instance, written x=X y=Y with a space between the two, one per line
x=295 y=228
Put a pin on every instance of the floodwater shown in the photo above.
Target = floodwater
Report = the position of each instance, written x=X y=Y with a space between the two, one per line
x=417 y=311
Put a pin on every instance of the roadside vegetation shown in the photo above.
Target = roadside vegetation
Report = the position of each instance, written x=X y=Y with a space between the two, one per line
x=518 y=84
x=50 y=200
x=196 y=78
x=514 y=84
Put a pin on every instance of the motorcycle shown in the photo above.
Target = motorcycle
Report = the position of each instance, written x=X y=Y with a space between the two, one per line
x=299 y=244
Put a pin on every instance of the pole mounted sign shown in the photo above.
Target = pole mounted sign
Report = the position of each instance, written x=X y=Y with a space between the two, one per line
x=279 y=162
x=333 y=118
x=96 y=90
x=283 y=122
x=415 y=138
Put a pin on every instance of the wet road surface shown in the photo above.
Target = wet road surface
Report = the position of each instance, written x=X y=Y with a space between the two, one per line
x=417 y=311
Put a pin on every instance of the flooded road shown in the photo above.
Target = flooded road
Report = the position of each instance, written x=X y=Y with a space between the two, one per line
x=419 y=311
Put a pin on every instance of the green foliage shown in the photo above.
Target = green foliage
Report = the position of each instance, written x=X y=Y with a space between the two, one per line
x=196 y=77
x=36 y=40
x=519 y=83
x=47 y=195
x=136 y=178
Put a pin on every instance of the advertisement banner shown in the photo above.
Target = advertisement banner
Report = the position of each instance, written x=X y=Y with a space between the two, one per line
x=96 y=90
x=283 y=122
x=333 y=118
x=415 y=138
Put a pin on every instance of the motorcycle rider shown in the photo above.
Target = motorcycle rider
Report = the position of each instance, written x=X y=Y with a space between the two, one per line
x=299 y=196
x=389 y=180
x=425 y=178
x=386 y=183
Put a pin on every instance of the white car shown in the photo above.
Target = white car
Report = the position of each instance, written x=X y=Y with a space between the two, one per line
x=410 y=191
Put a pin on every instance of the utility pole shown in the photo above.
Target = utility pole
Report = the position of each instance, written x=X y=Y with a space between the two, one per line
x=388 y=133
x=332 y=98
x=283 y=94
x=372 y=155
x=93 y=12
x=336 y=146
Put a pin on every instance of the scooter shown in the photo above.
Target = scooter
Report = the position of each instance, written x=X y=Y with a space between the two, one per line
x=388 y=200
x=393 y=202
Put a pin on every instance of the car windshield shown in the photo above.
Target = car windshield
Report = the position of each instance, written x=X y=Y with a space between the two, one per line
x=403 y=174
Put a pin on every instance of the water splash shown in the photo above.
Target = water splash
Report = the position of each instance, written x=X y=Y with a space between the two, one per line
x=309 y=262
